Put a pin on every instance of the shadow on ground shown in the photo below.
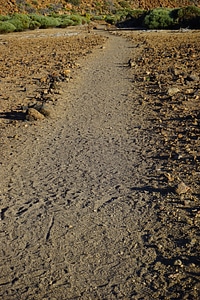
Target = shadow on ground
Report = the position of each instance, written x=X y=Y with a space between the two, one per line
x=13 y=115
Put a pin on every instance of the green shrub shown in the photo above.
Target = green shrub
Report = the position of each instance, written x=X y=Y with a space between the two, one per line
x=66 y=22
x=36 y=17
x=159 y=18
x=189 y=16
x=137 y=13
x=20 y=21
x=85 y=20
x=33 y=25
x=45 y=22
x=50 y=22
x=76 y=19
x=6 y=27
x=97 y=18
x=134 y=18
x=4 y=18
x=112 y=19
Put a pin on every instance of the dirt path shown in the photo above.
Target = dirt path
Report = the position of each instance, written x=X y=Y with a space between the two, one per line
x=76 y=206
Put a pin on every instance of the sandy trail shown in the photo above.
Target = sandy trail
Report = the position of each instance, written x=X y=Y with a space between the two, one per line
x=75 y=200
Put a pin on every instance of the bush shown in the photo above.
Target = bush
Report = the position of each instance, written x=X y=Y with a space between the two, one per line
x=76 y=19
x=134 y=18
x=112 y=19
x=97 y=18
x=159 y=18
x=45 y=22
x=189 y=16
x=66 y=22
x=85 y=20
x=20 y=21
x=6 y=27
x=33 y=25
x=4 y=18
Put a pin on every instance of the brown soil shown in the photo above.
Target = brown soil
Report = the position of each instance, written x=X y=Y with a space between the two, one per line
x=101 y=200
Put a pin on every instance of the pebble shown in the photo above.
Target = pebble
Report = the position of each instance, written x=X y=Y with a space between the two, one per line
x=182 y=188
x=178 y=262
x=46 y=110
x=189 y=92
x=193 y=77
x=172 y=91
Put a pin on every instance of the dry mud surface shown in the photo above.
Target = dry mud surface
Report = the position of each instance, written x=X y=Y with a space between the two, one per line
x=101 y=199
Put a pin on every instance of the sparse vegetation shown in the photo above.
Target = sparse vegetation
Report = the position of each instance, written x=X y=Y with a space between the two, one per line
x=21 y=22
x=45 y=22
x=189 y=16
x=164 y=18
x=133 y=18
x=6 y=27
x=65 y=22
x=160 y=18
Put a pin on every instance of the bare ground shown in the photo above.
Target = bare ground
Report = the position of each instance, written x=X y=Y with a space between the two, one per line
x=89 y=201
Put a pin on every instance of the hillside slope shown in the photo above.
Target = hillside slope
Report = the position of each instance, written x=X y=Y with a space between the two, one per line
x=46 y=6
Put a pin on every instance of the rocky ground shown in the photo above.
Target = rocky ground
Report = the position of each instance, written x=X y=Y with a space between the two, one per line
x=46 y=6
x=166 y=71
x=100 y=191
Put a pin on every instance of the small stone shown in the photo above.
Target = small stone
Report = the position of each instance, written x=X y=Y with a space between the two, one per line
x=189 y=91
x=66 y=72
x=45 y=91
x=43 y=79
x=172 y=91
x=177 y=72
x=46 y=110
x=180 y=136
x=193 y=241
x=33 y=114
x=169 y=177
x=178 y=262
x=195 y=122
x=182 y=188
x=189 y=221
x=193 y=77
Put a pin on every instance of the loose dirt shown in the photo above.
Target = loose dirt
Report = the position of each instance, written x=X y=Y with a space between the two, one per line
x=101 y=199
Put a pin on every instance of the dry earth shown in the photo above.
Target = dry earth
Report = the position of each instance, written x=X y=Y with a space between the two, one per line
x=101 y=199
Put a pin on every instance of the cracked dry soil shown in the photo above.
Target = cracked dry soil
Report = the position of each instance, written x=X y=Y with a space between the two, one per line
x=89 y=208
